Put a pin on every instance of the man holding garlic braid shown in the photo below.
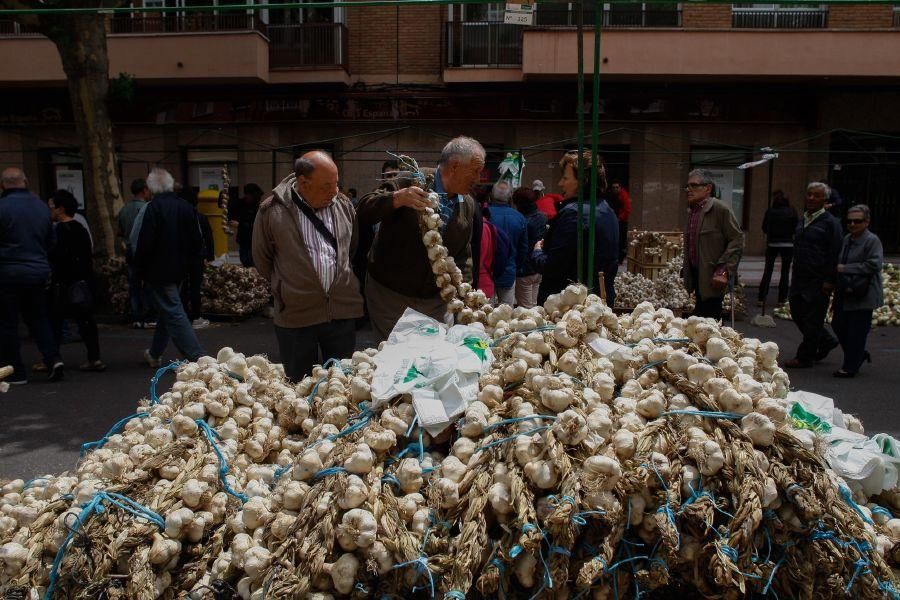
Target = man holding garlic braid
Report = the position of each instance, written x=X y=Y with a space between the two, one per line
x=400 y=272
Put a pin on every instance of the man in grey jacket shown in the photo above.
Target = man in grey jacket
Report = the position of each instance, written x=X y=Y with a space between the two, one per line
x=303 y=239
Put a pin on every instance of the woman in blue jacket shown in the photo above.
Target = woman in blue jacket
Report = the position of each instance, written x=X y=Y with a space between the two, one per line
x=557 y=257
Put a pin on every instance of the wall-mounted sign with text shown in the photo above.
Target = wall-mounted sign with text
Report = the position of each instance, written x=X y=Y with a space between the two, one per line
x=519 y=14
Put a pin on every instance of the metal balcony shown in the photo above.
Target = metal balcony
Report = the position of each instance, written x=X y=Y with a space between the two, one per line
x=483 y=44
x=801 y=18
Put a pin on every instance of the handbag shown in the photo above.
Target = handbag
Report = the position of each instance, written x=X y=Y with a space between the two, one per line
x=79 y=294
x=852 y=286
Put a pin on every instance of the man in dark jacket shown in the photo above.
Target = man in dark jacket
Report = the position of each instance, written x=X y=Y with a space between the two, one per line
x=400 y=274
x=26 y=236
x=817 y=247
x=241 y=216
x=169 y=238
x=779 y=224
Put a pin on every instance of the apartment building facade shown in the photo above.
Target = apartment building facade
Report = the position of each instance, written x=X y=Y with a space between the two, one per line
x=681 y=86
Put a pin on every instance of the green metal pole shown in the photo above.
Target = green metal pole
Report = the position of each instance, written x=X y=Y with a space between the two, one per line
x=595 y=134
x=580 y=175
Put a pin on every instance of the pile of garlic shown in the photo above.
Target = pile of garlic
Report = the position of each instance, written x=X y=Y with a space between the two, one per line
x=234 y=290
x=673 y=449
x=666 y=291
x=116 y=272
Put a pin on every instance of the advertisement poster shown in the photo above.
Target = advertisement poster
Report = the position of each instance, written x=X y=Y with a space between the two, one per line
x=72 y=180
x=209 y=178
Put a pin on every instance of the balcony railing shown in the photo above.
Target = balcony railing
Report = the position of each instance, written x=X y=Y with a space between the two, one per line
x=617 y=15
x=193 y=23
x=9 y=28
x=483 y=44
x=754 y=18
x=307 y=45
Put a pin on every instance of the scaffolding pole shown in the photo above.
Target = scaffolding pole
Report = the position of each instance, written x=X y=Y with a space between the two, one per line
x=595 y=154
x=580 y=171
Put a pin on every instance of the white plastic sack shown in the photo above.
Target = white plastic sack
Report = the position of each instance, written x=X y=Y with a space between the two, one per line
x=611 y=350
x=871 y=464
x=439 y=368
x=821 y=406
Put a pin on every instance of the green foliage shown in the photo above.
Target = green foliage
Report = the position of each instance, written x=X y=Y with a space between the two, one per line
x=121 y=89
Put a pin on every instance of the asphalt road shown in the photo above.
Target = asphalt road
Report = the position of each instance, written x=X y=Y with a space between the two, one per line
x=42 y=425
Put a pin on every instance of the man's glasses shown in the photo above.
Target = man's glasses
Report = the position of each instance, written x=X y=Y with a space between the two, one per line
x=694 y=186
x=856 y=221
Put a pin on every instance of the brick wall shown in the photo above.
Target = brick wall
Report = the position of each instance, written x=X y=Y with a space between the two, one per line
x=380 y=35
x=706 y=16
x=854 y=16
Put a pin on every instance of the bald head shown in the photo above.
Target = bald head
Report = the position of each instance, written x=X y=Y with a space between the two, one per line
x=317 y=178
x=13 y=178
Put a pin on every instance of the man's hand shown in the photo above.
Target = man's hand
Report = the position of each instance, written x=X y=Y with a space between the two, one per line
x=414 y=197
x=539 y=245
x=840 y=268
x=233 y=224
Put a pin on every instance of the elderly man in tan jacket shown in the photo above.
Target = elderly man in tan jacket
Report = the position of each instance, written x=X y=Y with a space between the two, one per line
x=713 y=244
x=303 y=239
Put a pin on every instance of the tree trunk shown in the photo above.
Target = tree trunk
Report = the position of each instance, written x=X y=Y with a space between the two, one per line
x=82 y=48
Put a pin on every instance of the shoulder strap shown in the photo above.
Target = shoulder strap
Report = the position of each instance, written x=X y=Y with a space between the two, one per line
x=314 y=219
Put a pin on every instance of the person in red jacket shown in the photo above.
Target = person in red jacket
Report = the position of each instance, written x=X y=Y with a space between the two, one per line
x=622 y=200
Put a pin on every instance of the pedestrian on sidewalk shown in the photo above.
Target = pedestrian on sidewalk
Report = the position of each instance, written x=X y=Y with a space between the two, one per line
x=192 y=286
x=817 y=247
x=303 y=241
x=73 y=284
x=26 y=236
x=713 y=244
x=621 y=203
x=513 y=224
x=528 y=280
x=138 y=295
x=858 y=291
x=167 y=239
x=779 y=224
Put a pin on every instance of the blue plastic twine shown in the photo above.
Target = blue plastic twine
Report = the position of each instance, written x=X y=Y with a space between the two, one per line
x=212 y=436
x=113 y=430
x=154 y=399
x=421 y=565
x=848 y=498
x=94 y=505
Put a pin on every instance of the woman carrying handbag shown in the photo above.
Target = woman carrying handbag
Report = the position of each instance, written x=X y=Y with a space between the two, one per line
x=859 y=290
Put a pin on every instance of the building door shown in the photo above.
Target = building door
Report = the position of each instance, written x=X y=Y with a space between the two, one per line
x=864 y=170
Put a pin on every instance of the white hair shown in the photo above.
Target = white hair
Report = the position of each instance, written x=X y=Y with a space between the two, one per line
x=818 y=185
x=501 y=192
x=462 y=148
x=160 y=181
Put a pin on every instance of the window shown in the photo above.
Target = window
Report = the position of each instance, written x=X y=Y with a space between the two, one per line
x=779 y=16
x=730 y=182
x=625 y=14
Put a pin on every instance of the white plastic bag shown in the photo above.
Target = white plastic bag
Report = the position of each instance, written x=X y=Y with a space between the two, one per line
x=439 y=368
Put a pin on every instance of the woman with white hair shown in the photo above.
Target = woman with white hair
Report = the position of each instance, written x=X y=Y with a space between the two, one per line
x=859 y=289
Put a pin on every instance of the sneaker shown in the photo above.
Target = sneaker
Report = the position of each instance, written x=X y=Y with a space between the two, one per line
x=39 y=367
x=153 y=362
x=57 y=371
x=96 y=366
x=15 y=381
x=149 y=324
x=200 y=323
x=137 y=325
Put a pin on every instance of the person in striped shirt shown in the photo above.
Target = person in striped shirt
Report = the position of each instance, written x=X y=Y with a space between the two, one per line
x=303 y=239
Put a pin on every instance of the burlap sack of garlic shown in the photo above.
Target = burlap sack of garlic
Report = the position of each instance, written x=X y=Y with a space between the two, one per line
x=668 y=467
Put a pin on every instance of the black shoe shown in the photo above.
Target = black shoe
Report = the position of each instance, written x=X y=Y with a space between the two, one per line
x=57 y=371
x=823 y=352
x=867 y=357
x=843 y=374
